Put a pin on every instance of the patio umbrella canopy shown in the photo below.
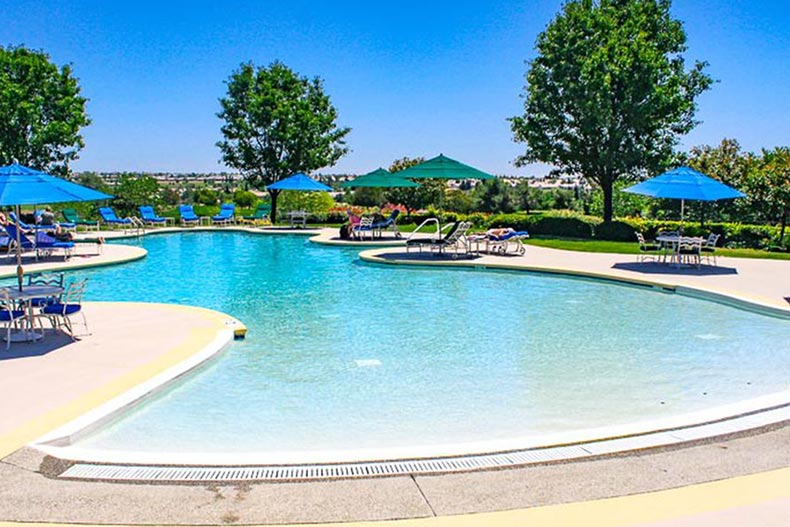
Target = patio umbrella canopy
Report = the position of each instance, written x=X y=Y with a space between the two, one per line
x=684 y=183
x=442 y=167
x=20 y=185
x=379 y=178
x=299 y=182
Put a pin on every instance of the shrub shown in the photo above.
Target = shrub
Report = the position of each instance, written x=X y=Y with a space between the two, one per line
x=244 y=198
x=616 y=231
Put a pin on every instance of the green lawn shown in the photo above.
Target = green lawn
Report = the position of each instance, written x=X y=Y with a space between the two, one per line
x=599 y=246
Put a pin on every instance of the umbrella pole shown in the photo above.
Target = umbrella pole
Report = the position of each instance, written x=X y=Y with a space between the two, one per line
x=682 y=212
x=20 y=273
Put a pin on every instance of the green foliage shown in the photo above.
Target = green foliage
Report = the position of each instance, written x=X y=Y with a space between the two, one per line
x=316 y=203
x=41 y=111
x=494 y=196
x=133 y=190
x=458 y=201
x=205 y=196
x=276 y=123
x=618 y=231
x=367 y=197
x=608 y=95
x=244 y=198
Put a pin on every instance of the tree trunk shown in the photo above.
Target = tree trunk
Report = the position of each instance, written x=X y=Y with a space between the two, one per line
x=606 y=187
x=274 y=194
x=782 y=230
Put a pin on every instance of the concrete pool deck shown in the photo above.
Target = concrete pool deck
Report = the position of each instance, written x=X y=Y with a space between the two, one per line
x=740 y=479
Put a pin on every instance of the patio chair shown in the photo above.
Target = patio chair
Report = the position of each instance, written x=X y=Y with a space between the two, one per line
x=108 y=216
x=188 y=216
x=260 y=216
x=71 y=216
x=380 y=226
x=54 y=279
x=60 y=313
x=46 y=244
x=149 y=216
x=13 y=218
x=689 y=249
x=226 y=215
x=647 y=250
x=708 y=248
x=9 y=315
x=419 y=243
x=364 y=226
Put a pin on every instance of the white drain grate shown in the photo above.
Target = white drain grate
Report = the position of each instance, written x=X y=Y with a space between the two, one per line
x=152 y=473
x=313 y=472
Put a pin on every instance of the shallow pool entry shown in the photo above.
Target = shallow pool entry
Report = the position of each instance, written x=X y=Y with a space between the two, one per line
x=360 y=357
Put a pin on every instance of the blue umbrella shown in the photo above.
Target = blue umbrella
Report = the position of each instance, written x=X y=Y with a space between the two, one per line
x=20 y=185
x=298 y=182
x=684 y=183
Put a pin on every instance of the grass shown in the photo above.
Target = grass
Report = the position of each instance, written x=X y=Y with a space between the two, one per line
x=602 y=246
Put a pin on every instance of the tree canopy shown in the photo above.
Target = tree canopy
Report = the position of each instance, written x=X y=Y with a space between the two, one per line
x=276 y=124
x=608 y=95
x=41 y=111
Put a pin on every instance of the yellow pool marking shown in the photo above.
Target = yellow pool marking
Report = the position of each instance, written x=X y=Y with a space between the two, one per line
x=198 y=338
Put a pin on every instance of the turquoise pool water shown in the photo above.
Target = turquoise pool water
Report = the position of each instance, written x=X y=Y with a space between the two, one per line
x=345 y=355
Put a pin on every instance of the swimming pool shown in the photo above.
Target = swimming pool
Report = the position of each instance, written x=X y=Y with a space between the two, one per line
x=344 y=356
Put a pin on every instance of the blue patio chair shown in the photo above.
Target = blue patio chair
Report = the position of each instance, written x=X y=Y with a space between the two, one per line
x=150 y=217
x=188 y=216
x=26 y=226
x=9 y=315
x=226 y=214
x=46 y=244
x=60 y=313
x=108 y=216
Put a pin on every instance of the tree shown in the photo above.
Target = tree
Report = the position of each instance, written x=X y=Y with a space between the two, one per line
x=41 y=111
x=608 y=95
x=276 y=124
x=134 y=190
x=430 y=191
x=730 y=165
x=494 y=196
x=774 y=176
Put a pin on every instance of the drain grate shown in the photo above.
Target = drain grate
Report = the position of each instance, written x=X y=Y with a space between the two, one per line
x=313 y=472
x=154 y=473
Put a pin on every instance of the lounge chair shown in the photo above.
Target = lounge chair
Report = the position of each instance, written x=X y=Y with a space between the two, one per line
x=260 y=216
x=509 y=241
x=70 y=304
x=43 y=245
x=364 y=226
x=456 y=241
x=188 y=216
x=149 y=216
x=26 y=226
x=108 y=216
x=419 y=243
x=380 y=226
x=226 y=215
x=647 y=250
x=71 y=216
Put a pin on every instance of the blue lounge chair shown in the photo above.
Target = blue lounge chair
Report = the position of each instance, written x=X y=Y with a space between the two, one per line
x=389 y=222
x=26 y=226
x=188 y=216
x=108 y=216
x=150 y=217
x=226 y=214
x=44 y=244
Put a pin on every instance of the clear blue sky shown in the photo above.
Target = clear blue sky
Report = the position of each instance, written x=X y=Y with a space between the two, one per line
x=410 y=78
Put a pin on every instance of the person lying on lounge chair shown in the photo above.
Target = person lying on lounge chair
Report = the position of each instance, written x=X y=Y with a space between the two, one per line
x=498 y=233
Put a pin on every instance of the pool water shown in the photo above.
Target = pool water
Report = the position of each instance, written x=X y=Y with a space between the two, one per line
x=345 y=355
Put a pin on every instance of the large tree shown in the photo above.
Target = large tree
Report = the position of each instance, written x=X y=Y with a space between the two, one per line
x=41 y=111
x=608 y=95
x=277 y=123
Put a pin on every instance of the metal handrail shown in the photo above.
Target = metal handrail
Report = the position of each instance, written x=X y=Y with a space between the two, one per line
x=439 y=228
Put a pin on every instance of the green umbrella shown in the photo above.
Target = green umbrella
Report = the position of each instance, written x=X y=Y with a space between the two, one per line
x=441 y=167
x=379 y=178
